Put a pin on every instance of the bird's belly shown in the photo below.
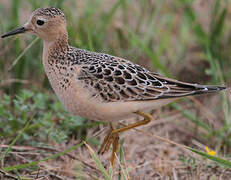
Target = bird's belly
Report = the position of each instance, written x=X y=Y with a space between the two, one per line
x=93 y=109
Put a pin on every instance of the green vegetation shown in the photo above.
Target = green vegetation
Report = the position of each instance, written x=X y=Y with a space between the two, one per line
x=48 y=119
x=185 y=39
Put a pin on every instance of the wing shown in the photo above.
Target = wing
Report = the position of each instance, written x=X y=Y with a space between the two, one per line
x=116 y=79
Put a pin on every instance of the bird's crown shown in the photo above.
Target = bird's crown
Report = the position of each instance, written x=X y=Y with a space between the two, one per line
x=49 y=11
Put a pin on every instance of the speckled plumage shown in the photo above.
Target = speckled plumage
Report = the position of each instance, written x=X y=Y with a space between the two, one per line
x=113 y=87
x=112 y=79
x=51 y=12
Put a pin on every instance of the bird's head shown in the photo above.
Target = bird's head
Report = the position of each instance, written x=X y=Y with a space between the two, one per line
x=47 y=23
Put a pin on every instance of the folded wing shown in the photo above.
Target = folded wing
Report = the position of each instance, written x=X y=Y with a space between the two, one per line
x=115 y=79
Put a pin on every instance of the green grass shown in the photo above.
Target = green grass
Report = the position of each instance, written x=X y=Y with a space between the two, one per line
x=160 y=35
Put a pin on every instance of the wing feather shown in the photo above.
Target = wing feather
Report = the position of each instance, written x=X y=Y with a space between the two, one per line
x=116 y=79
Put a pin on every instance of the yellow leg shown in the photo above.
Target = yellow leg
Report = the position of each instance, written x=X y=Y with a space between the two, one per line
x=115 y=148
x=147 y=119
x=107 y=141
x=113 y=135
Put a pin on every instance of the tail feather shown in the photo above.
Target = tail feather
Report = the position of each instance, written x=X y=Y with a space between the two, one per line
x=198 y=89
x=181 y=89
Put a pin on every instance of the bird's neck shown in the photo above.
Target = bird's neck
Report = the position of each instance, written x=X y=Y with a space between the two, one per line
x=56 y=47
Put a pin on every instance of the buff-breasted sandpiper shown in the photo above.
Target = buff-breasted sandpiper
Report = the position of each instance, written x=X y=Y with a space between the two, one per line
x=99 y=86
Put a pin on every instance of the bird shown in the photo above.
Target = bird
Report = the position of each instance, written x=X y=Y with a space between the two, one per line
x=100 y=86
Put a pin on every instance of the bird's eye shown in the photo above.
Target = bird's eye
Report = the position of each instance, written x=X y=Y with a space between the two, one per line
x=40 y=22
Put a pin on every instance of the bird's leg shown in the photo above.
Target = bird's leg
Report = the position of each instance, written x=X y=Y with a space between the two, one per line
x=108 y=140
x=115 y=147
x=113 y=134
x=147 y=119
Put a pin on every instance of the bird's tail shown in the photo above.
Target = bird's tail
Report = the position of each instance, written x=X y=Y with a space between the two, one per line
x=180 y=89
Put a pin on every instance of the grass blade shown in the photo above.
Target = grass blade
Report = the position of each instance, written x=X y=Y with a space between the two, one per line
x=24 y=51
x=97 y=161
x=218 y=160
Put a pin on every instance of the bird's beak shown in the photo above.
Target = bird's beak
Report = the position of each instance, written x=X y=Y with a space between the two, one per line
x=16 y=31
